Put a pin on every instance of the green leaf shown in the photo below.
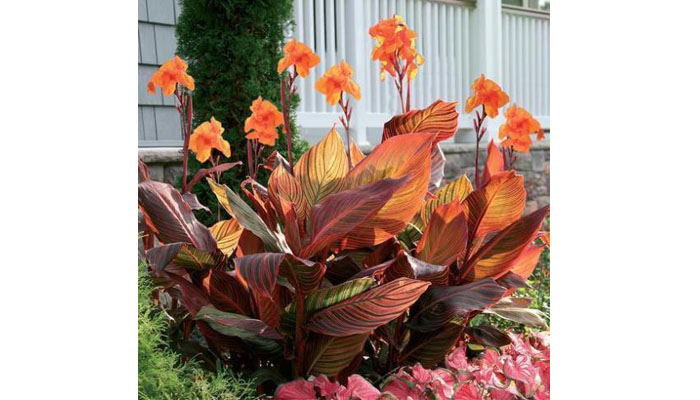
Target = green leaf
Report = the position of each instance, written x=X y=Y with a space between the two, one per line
x=365 y=312
x=323 y=298
x=250 y=220
x=329 y=355
x=252 y=331
x=515 y=309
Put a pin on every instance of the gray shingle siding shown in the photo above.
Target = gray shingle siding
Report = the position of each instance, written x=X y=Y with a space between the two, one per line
x=158 y=121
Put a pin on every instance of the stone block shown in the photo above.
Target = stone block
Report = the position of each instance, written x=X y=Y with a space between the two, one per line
x=157 y=172
x=530 y=207
x=173 y=173
x=538 y=162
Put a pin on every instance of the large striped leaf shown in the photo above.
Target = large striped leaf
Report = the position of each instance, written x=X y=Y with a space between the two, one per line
x=321 y=169
x=397 y=157
x=437 y=168
x=356 y=154
x=227 y=233
x=526 y=263
x=496 y=205
x=431 y=348
x=292 y=233
x=160 y=257
x=515 y=309
x=254 y=332
x=500 y=253
x=440 y=117
x=183 y=255
x=248 y=219
x=445 y=236
x=323 y=298
x=259 y=273
x=220 y=193
x=494 y=163
x=192 y=258
x=329 y=355
x=440 y=304
x=338 y=214
x=488 y=335
x=365 y=312
x=282 y=185
x=170 y=218
x=193 y=297
x=406 y=266
x=457 y=190
x=226 y=292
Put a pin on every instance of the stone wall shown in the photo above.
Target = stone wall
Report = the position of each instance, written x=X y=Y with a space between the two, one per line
x=533 y=166
x=166 y=165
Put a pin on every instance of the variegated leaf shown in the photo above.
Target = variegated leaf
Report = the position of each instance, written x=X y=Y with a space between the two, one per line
x=226 y=292
x=398 y=157
x=356 y=154
x=247 y=218
x=338 y=214
x=457 y=190
x=282 y=185
x=252 y=331
x=321 y=169
x=515 y=309
x=227 y=233
x=440 y=117
x=497 y=256
x=494 y=163
x=329 y=355
x=365 y=312
x=446 y=235
x=440 y=304
x=431 y=348
x=170 y=218
x=496 y=205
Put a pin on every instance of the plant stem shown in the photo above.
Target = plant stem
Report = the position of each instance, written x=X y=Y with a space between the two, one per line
x=345 y=120
x=300 y=334
x=478 y=129
x=250 y=158
x=185 y=111
x=284 y=88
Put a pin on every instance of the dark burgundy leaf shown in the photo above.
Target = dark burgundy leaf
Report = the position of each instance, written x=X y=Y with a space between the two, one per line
x=488 y=335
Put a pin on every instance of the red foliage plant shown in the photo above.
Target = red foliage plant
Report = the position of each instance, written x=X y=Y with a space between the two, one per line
x=344 y=260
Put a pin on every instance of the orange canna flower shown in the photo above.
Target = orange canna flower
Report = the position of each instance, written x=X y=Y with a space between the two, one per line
x=170 y=74
x=299 y=55
x=395 y=41
x=336 y=80
x=208 y=136
x=263 y=122
x=517 y=129
x=487 y=93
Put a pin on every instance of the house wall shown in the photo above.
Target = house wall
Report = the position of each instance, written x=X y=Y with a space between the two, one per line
x=158 y=121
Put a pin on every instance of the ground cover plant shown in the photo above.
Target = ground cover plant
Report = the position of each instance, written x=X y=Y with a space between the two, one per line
x=162 y=373
x=344 y=263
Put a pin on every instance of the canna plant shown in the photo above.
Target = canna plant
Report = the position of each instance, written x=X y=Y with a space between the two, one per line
x=344 y=261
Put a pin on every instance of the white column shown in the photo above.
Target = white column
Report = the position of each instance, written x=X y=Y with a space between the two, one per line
x=357 y=35
x=488 y=52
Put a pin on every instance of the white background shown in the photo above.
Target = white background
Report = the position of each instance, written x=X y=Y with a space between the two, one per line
x=625 y=185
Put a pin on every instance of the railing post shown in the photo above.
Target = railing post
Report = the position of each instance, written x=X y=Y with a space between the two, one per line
x=488 y=53
x=356 y=37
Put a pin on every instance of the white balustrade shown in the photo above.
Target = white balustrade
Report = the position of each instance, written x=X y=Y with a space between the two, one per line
x=459 y=40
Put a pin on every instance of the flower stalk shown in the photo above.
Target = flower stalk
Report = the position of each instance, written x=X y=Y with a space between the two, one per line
x=184 y=108
x=287 y=91
x=345 y=120
x=480 y=130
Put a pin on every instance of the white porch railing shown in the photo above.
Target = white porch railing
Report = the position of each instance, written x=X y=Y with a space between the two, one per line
x=459 y=39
